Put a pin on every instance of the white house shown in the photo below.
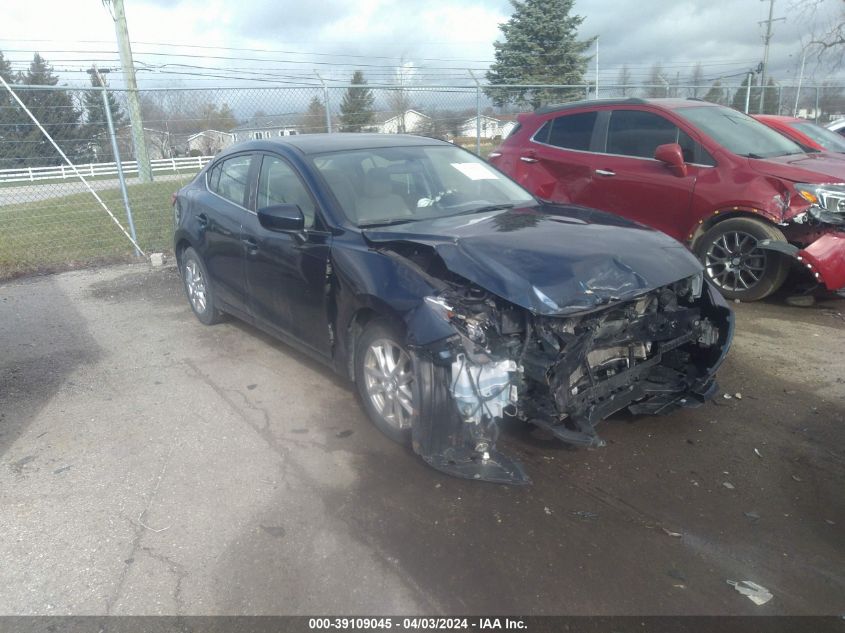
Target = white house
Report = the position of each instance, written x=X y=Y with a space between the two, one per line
x=208 y=142
x=407 y=122
x=490 y=127
x=269 y=126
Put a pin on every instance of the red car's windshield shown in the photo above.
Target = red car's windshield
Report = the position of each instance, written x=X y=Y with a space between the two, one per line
x=831 y=141
x=739 y=133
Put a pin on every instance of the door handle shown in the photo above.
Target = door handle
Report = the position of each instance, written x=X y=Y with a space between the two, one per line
x=202 y=220
x=528 y=159
x=251 y=245
x=605 y=172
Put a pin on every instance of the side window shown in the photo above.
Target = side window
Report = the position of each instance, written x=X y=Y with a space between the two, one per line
x=228 y=178
x=573 y=131
x=638 y=133
x=279 y=184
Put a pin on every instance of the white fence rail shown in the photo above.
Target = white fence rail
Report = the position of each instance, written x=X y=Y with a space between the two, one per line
x=60 y=172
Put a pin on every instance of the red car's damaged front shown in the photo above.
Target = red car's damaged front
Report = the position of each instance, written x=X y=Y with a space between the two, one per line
x=812 y=213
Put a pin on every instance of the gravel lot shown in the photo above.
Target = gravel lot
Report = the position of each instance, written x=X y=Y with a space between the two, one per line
x=152 y=465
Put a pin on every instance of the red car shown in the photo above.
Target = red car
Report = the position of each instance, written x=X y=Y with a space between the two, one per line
x=807 y=134
x=748 y=201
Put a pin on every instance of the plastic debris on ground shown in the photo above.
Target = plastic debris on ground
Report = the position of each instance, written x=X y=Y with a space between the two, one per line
x=672 y=534
x=729 y=485
x=757 y=453
x=758 y=594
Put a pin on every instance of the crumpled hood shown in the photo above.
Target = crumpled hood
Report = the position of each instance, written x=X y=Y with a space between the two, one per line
x=558 y=260
x=818 y=167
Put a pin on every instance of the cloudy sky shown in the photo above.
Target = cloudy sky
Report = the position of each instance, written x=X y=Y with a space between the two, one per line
x=201 y=42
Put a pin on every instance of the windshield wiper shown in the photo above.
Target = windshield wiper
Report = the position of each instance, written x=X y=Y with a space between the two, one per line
x=753 y=155
x=372 y=225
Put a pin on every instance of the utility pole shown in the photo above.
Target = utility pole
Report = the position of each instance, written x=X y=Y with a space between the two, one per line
x=477 y=112
x=800 y=80
x=326 y=103
x=139 y=141
x=766 y=41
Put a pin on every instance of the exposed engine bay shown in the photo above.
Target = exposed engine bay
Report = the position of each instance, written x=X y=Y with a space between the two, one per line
x=651 y=354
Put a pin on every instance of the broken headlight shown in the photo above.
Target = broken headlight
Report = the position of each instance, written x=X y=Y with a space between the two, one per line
x=469 y=325
x=827 y=202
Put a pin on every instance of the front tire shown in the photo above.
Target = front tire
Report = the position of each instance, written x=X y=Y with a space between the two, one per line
x=734 y=262
x=384 y=375
x=198 y=288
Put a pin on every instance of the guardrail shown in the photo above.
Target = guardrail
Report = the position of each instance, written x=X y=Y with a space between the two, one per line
x=60 y=172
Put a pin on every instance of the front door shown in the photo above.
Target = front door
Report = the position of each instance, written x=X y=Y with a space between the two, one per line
x=628 y=181
x=286 y=273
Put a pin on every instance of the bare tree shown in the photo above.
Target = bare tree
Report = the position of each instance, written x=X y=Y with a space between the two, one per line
x=624 y=81
x=696 y=81
x=657 y=84
x=827 y=35
x=398 y=99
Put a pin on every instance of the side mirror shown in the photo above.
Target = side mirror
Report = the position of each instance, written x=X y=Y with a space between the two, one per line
x=672 y=155
x=284 y=218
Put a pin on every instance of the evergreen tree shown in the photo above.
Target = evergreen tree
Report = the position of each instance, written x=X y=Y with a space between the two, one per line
x=356 y=109
x=57 y=113
x=314 y=119
x=740 y=96
x=10 y=117
x=97 y=128
x=716 y=94
x=540 y=47
x=771 y=100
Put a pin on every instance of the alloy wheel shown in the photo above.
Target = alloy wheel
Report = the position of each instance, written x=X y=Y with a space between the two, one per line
x=195 y=283
x=734 y=262
x=388 y=376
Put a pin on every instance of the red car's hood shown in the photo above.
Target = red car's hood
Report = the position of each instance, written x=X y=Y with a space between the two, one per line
x=817 y=167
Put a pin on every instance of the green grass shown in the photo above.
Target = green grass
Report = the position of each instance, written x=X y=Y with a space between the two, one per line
x=74 y=230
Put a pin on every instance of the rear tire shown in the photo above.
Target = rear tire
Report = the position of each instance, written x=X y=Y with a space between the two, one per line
x=384 y=375
x=735 y=264
x=198 y=288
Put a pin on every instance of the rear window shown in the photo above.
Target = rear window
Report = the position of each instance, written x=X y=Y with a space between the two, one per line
x=638 y=133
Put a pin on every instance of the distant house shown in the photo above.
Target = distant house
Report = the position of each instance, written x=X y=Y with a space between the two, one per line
x=269 y=126
x=490 y=127
x=208 y=142
x=407 y=122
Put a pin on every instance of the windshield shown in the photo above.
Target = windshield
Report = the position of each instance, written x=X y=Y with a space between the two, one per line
x=394 y=185
x=831 y=141
x=739 y=133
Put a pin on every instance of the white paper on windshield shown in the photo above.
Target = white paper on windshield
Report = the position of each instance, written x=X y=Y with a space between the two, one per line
x=475 y=171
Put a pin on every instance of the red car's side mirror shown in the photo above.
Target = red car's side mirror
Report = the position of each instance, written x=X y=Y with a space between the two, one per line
x=672 y=155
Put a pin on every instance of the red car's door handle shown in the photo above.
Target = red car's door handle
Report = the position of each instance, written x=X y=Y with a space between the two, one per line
x=605 y=172
x=528 y=159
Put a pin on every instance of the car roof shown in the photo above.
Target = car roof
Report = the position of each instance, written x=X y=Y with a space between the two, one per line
x=338 y=142
x=670 y=104
x=778 y=117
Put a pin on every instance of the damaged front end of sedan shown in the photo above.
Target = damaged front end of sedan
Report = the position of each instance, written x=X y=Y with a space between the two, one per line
x=556 y=321
x=651 y=354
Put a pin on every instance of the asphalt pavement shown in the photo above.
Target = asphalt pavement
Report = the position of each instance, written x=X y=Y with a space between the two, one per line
x=153 y=465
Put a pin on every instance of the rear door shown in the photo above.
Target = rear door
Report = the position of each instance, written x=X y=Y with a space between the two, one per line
x=556 y=163
x=219 y=213
x=628 y=181
x=286 y=272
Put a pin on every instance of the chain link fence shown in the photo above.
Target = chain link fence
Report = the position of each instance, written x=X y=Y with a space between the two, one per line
x=50 y=220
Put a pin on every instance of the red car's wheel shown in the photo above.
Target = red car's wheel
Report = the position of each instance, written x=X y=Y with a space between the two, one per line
x=735 y=263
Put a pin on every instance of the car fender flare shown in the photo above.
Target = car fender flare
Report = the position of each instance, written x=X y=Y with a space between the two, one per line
x=713 y=218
